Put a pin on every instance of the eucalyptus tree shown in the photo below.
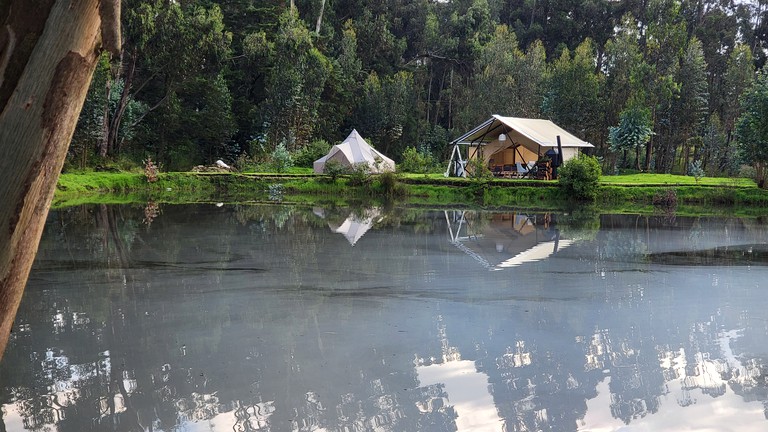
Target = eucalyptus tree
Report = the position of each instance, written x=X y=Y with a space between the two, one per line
x=385 y=111
x=739 y=75
x=718 y=30
x=344 y=84
x=717 y=156
x=752 y=126
x=572 y=92
x=689 y=108
x=632 y=133
x=623 y=67
x=663 y=40
x=295 y=84
x=167 y=45
x=50 y=50
x=246 y=70
x=506 y=81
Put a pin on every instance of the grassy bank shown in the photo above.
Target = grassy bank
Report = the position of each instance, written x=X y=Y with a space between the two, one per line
x=617 y=193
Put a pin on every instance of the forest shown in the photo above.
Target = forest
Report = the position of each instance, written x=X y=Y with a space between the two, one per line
x=655 y=85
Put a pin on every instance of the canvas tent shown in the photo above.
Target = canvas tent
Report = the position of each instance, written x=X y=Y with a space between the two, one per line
x=355 y=151
x=509 y=140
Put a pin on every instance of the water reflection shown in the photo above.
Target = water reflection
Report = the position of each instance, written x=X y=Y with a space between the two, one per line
x=503 y=240
x=355 y=225
x=255 y=318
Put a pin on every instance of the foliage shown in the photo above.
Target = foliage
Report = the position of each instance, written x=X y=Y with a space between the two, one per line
x=151 y=170
x=573 y=91
x=752 y=127
x=390 y=185
x=295 y=84
x=306 y=156
x=202 y=80
x=580 y=177
x=359 y=174
x=478 y=170
x=503 y=69
x=384 y=110
x=334 y=169
x=246 y=163
x=173 y=56
x=695 y=170
x=633 y=131
x=414 y=161
x=281 y=159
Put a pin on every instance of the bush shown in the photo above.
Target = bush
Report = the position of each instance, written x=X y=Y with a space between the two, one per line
x=580 y=177
x=390 y=185
x=478 y=170
x=415 y=162
x=359 y=175
x=334 y=169
x=695 y=170
x=151 y=170
x=666 y=199
x=309 y=154
x=246 y=163
x=281 y=159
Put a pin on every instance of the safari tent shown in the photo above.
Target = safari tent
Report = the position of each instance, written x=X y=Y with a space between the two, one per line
x=505 y=142
x=354 y=150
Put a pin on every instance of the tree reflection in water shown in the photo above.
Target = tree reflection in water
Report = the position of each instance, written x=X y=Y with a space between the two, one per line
x=252 y=318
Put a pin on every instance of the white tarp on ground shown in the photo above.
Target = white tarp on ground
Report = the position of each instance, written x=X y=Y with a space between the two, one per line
x=355 y=151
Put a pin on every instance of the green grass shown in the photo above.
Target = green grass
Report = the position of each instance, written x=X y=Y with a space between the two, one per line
x=674 y=180
x=627 y=193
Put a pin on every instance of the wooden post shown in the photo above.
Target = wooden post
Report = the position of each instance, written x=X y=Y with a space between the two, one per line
x=48 y=52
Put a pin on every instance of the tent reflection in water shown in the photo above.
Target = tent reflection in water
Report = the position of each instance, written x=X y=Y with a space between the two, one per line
x=355 y=225
x=355 y=151
x=506 y=239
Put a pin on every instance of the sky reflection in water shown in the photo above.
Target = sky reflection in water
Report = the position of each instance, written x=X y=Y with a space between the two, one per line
x=251 y=318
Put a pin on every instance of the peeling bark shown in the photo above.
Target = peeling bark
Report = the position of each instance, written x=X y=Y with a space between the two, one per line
x=48 y=52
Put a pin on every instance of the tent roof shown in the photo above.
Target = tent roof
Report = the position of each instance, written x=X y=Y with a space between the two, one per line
x=355 y=150
x=535 y=131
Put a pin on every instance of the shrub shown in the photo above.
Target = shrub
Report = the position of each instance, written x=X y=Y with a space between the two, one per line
x=416 y=162
x=580 y=177
x=281 y=158
x=310 y=153
x=334 y=169
x=150 y=170
x=359 y=175
x=695 y=170
x=666 y=199
x=390 y=185
x=246 y=163
x=478 y=170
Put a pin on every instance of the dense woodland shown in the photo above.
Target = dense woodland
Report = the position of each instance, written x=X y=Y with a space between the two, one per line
x=654 y=84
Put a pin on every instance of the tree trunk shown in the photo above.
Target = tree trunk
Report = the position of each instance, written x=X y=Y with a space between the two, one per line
x=104 y=141
x=48 y=52
x=648 y=156
x=117 y=118
x=320 y=17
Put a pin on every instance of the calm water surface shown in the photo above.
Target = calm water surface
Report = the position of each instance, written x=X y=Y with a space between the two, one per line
x=276 y=318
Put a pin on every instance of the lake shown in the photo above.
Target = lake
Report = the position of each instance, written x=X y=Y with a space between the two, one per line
x=283 y=318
